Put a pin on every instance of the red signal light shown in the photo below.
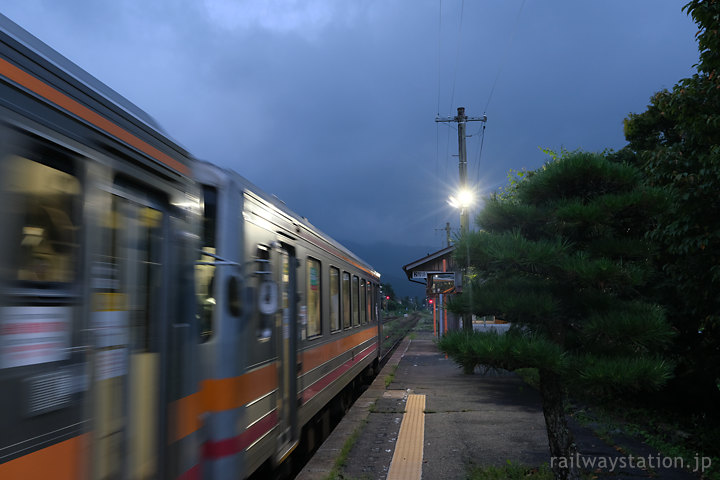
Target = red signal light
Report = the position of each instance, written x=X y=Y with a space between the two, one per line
x=387 y=297
x=430 y=301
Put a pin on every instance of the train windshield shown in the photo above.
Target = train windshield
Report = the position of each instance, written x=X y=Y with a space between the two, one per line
x=40 y=206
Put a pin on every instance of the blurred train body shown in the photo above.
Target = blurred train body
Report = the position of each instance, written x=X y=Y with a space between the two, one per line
x=277 y=345
x=160 y=317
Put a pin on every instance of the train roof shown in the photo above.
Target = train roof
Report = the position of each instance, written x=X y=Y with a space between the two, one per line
x=49 y=66
x=273 y=200
x=50 y=55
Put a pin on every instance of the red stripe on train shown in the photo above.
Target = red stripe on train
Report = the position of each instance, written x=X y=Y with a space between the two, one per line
x=192 y=474
x=319 y=385
x=237 y=444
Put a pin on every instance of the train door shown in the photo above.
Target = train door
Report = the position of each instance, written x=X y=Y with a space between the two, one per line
x=42 y=331
x=128 y=305
x=286 y=328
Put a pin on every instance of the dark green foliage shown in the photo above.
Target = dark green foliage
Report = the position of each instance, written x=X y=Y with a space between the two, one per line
x=676 y=142
x=605 y=376
x=511 y=351
x=388 y=290
x=564 y=258
x=510 y=471
x=573 y=272
x=631 y=328
x=579 y=176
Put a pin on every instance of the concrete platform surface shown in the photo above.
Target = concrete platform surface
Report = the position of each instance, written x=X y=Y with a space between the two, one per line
x=488 y=418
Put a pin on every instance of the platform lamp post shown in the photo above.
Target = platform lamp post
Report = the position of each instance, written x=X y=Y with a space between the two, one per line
x=463 y=200
x=465 y=196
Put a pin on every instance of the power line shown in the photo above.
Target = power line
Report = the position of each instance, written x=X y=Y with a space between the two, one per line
x=505 y=55
x=477 y=163
x=457 y=55
x=437 y=127
x=439 y=55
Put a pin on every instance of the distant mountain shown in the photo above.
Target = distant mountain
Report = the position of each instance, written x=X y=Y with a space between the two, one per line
x=388 y=259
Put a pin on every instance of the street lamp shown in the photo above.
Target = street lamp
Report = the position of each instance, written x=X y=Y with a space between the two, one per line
x=464 y=198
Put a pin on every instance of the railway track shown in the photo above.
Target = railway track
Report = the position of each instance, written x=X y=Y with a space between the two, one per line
x=395 y=329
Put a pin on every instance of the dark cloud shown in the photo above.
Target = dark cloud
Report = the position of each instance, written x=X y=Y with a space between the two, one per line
x=331 y=105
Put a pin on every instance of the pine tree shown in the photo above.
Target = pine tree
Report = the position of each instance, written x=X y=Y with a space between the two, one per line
x=562 y=255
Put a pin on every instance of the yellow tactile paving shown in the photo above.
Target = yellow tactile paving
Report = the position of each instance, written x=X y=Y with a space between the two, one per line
x=407 y=459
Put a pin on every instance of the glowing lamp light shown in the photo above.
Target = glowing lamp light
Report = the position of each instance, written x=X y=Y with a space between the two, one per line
x=463 y=199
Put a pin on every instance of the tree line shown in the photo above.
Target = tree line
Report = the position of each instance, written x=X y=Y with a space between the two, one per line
x=607 y=264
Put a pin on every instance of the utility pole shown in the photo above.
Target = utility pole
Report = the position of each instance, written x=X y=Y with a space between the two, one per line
x=461 y=119
x=447 y=232
x=464 y=196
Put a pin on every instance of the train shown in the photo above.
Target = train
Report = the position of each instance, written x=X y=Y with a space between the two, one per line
x=160 y=316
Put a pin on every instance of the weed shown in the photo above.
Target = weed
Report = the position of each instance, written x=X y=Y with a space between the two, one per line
x=391 y=376
x=344 y=452
x=529 y=376
x=510 y=471
x=653 y=429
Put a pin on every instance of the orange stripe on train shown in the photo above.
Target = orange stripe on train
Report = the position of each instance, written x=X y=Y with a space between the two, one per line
x=317 y=356
x=228 y=393
x=221 y=394
x=62 y=461
x=37 y=86
x=218 y=395
x=184 y=416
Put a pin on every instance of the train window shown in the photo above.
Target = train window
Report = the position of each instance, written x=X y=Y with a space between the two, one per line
x=205 y=274
x=41 y=212
x=376 y=299
x=363 y=302
x=265 y=323
x=148 y=244
x=313 y=297
x=355 y=298
x=131 y=262
x=368 y=301
x=346 y=299
x=334 y=299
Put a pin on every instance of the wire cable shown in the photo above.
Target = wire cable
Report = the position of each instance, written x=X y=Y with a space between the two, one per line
x=505 y=55
x=439 y=56
x=437 y=125
x=477 y=163
x=438 y=184
x=457 y=55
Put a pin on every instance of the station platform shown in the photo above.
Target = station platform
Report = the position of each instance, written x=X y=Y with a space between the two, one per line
x=484 y=419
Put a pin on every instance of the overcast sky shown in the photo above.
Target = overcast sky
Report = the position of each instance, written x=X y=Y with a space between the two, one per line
x=331 y=104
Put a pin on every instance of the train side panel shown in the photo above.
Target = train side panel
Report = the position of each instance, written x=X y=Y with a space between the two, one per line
x=98 y=231
x=289 y=350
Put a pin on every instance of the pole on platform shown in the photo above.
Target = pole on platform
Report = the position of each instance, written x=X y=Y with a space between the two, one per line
x=435 y=318
x=445 y=325
x=441 y=316
x=461 y=119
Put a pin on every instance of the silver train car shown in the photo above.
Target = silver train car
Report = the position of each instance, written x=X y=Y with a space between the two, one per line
x=289 y=318
x=159 y=317
x=100 y=220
